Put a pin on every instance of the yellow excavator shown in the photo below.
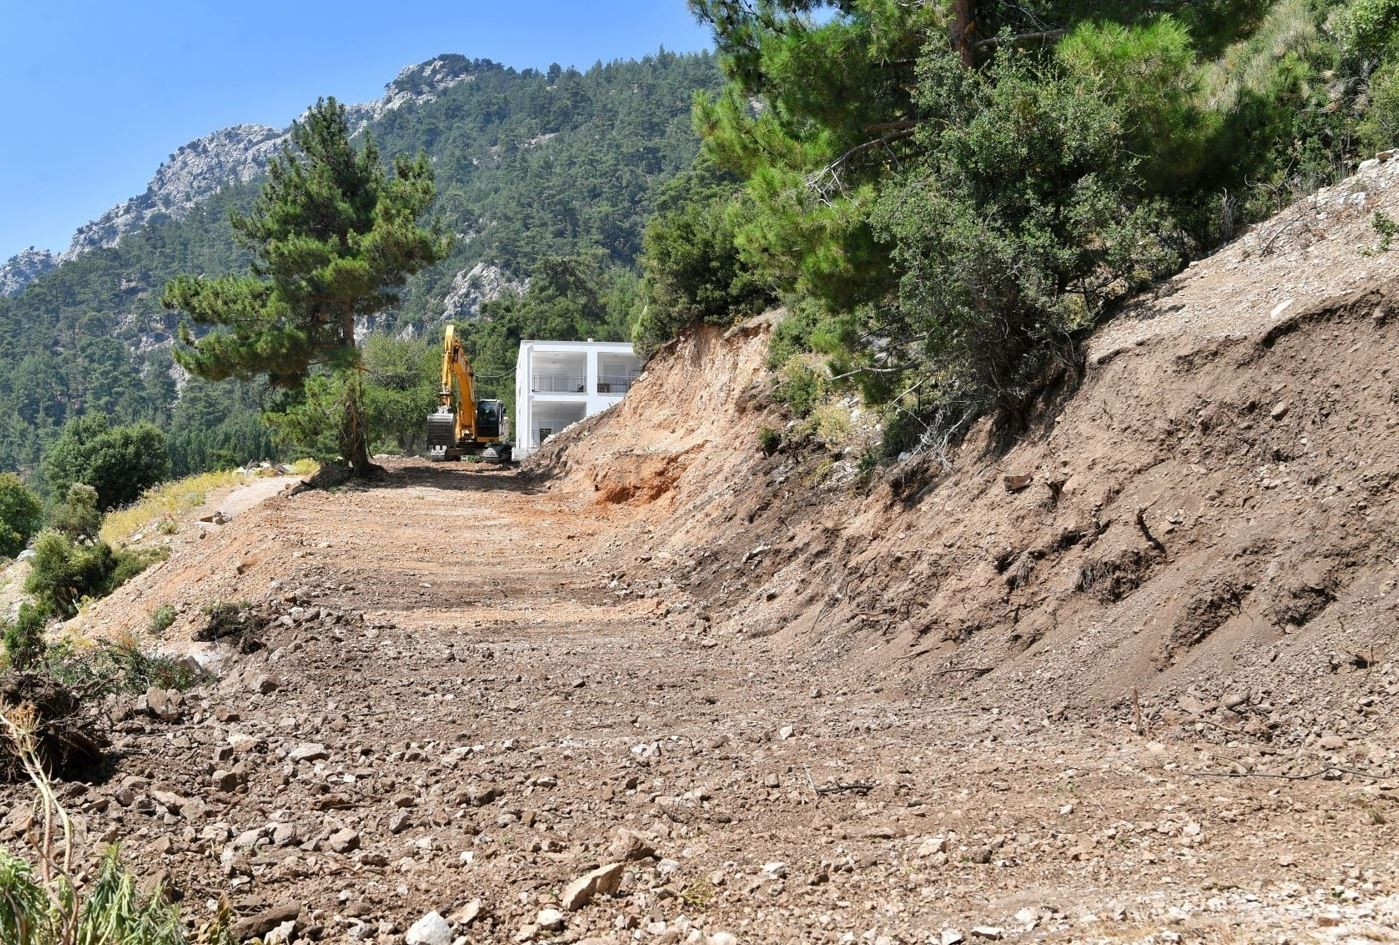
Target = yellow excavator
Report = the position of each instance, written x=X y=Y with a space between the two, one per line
x=463 y=425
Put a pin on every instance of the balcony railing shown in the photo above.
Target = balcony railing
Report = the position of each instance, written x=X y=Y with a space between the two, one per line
x=615 y=383
x=558 y=383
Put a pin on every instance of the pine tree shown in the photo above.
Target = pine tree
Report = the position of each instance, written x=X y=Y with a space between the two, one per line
x=333 y=238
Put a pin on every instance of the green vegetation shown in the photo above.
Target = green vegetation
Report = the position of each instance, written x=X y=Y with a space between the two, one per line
x=692 y=269
x=948 y=195
x=333 y=237
x=21 y=515
x=67 y=572
x=23 y=638
x=77 y=516
x=118 y=462
x=109 y=667
x=164 y=503
x=161 y=620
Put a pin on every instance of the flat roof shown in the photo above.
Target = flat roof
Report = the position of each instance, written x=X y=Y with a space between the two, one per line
x=578 y=344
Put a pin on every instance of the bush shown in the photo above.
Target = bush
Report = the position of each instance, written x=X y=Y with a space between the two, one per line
x=77 y=515
x=111 y=667
x=21 y=515
x=692 y=268
x=769 y=440
x=801 y=387
x=1380 y=129
x=67 y=572
x=161 y=620
x=119 y=462
x=24 y=638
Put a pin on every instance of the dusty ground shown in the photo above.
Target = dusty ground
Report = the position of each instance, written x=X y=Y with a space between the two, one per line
x=463 y=702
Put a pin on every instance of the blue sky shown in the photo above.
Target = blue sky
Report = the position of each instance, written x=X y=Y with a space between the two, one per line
x=98 y=93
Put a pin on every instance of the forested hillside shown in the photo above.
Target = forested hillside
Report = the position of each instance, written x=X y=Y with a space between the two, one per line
x=950 y=196
x=531 y=168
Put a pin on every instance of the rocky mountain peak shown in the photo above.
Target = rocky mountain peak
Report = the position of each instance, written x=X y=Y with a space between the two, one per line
x=23 y=268
x=421 y=83
x=195 y=172
x=200 y=169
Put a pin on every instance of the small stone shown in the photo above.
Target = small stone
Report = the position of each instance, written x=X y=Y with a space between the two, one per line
x=343 y=841
x=603 y=881
x=774 y=870
x=431 y=929
x=550 y=920
x=786 y=732
x=931 y=846
x=992 y=932
x=266 y=921
x=228 y=781
x=951 y=937
x=1331 y=743
x=308 y=752
x=629 y=846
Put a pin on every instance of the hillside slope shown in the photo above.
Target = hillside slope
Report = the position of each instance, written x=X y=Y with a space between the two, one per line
x=1210 y=516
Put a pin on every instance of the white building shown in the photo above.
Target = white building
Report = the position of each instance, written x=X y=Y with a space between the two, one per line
x=561 y=382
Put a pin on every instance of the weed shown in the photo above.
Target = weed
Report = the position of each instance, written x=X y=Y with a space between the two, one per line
x=831 y=424
x=166 y=502
x=769 y=440
x=161 y=620
x=305 y=467
x=1386 y=227
x=24 y=638
x=226 y=618
x=699 y=895
x=114 y=666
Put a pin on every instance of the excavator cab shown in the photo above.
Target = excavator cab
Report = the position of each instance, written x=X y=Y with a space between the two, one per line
x=490 y=419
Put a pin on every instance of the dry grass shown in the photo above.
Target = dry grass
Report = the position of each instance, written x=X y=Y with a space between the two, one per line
x=166 y=502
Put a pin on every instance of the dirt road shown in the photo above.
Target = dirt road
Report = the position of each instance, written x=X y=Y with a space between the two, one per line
x=460 y=703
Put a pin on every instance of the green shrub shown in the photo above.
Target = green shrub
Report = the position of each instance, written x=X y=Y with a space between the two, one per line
x=801 y=386
x=24 y=638
x=1368 y=28
x=693 y=270
x=831 y=423
x=67 y=572
x=108 y=910
x=226 y=618
x=769 y=440
x=119 y=462
x=161 y=620
x=21 y=515
x=77 y=516
x=1380 y=129
x=111 y=667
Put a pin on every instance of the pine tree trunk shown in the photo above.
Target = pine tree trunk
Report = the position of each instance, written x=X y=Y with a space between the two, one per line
x=963 y=30
x=354 y=436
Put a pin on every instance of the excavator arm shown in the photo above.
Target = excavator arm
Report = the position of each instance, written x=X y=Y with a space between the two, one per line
x=456 y=368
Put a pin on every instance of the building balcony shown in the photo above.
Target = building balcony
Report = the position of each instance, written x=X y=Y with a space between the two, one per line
x=558 y=383
x=615 y=385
